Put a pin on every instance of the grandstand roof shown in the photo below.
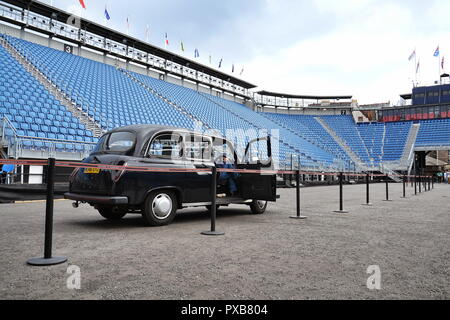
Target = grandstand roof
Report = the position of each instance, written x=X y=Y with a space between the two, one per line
x=89 y=26
x=294 y=96
x=406 y=96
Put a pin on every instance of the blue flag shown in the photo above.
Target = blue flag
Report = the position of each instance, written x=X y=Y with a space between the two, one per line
x=220 y=63
x=107 y=14
x=436 y=53
x=196 y=53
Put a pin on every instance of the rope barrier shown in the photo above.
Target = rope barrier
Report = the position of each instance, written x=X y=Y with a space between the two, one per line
x=80 y=165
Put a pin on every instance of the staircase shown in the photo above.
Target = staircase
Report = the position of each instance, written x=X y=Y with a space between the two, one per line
x=74 y=108
x=360 y=166
x=390 y=173
x=408 y=153
x=316 y=142
x=383 y=141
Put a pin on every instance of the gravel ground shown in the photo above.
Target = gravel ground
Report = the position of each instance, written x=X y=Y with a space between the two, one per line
x=260 y=257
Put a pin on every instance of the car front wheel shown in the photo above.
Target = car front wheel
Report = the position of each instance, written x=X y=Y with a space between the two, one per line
x=258 y=206
x=160 y=208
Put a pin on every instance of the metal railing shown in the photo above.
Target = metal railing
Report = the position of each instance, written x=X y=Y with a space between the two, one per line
x=72 y=30
x=19 y=145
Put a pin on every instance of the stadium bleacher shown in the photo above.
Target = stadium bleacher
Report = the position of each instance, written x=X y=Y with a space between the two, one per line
x=33 y=111
x=100 y=89
x=345 y=128
x=114 y=97
x=434 y=133
x=223 y=115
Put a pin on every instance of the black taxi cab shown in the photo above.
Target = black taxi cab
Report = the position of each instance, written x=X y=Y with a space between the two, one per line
x=157 y=195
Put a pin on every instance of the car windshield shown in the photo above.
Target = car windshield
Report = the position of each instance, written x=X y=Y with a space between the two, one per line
x=117 y=142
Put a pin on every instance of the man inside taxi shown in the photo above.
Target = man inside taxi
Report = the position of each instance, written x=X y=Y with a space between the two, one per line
x=228 y=178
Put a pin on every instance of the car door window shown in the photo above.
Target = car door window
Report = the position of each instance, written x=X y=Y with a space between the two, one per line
x=222 y=148
x=166 y=146
x=257 y=152
x=197 y=148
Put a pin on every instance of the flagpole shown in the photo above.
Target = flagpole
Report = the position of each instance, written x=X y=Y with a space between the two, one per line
x=439 y=65
x=415 y=67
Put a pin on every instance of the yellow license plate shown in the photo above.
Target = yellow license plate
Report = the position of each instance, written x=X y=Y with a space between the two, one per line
x=91 y=170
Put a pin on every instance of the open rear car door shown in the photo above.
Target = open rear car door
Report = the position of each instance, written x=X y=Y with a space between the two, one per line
x=256 y=186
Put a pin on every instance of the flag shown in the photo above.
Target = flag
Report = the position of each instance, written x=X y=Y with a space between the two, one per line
x=167 y=40
x=182 y=46
x=436 y=53
x=242 y=71
x=210 y=58
x=232 y=68
x=107 y=14
x=220 y=63
x=412 y=56
x=196 y=53
x=82 y=4
x=442 y=63
x=128 y=25
x=418 y=66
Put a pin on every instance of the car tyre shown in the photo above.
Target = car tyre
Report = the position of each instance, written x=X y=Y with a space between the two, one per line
x=160 y=208
x=112 y=213
x=258 y=206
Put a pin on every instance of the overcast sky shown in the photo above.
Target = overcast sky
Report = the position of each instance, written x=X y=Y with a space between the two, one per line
x=323 y=47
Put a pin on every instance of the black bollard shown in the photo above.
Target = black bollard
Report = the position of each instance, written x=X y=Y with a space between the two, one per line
x=297 y=182
x=404 y=186
x=367 y=191
x=48 y=260
x=420 y=184
x=429 y=184
x=213 y=231
x=387 y=188
x=432 y=182
x=341 y=194
x=415 y=185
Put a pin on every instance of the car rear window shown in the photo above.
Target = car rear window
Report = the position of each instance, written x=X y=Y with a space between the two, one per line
x=117 y=142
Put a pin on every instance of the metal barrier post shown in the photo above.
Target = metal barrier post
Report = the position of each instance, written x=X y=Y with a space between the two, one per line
x=387 y=188
x=48 y=260
x=341 y=194
x=415 y=185
x=367 y=191
x=432 y=182
x=213 y=231
x=297 y=187
x=404 y=186
x=420 y=184
x=429 y=183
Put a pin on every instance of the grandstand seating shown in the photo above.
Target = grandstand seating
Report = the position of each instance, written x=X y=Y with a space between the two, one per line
x=395 y=140
x=223 y=114
x=111 y=99
x=310 y=129
x=33 y=111
x=115 y=98
x=372 y=134
x=434 y=133
x=344 y=127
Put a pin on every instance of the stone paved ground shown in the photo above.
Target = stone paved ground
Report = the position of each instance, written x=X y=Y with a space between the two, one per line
x=260 y=257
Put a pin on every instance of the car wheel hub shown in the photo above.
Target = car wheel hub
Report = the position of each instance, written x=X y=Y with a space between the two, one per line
x=162 y=206
x=261 y=204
